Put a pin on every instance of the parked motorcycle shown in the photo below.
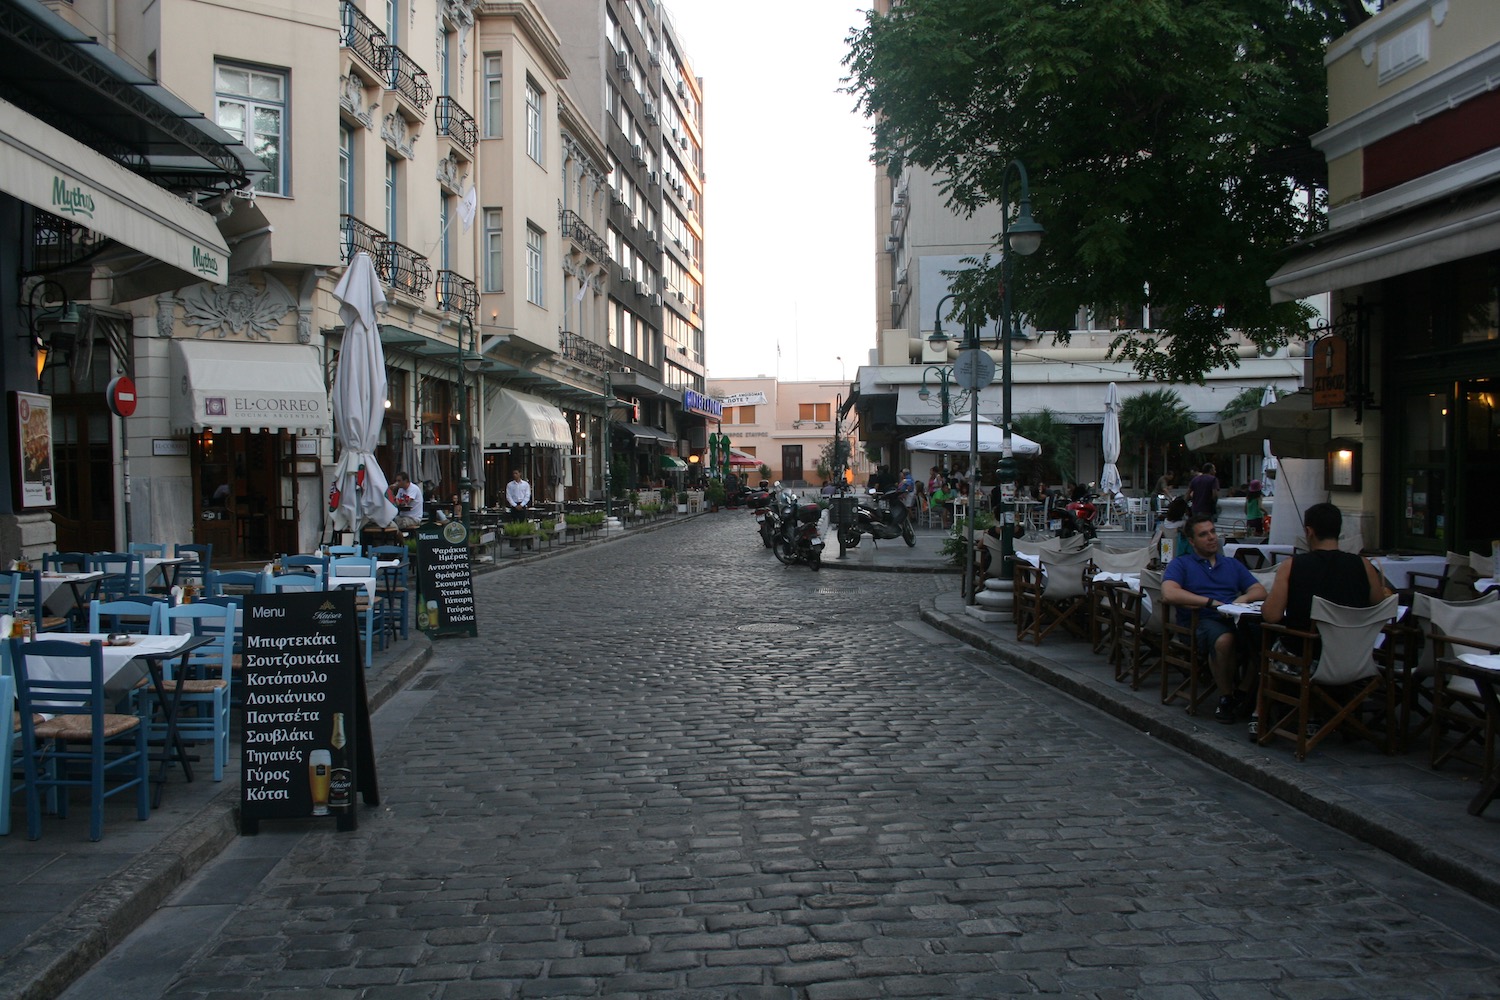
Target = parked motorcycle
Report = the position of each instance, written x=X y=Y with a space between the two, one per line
x=797 y=538
x=760 y=504
x=886 y=518
x=1078 y=518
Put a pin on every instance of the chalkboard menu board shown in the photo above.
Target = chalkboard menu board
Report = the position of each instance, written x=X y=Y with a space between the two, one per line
x=445 y=581
x=305 y=747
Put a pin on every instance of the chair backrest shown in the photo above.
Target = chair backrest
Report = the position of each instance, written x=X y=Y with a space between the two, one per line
x=1481 y=564
x=38 y=689
x=211 y=619
x=343 y=550
x=65 y=562
x=1266 y=577
x=1064 y=573
x=198 y=562
x=275 y=583
x=155 y=550
x=1477 y=620
x=1151 y=587
x=10 y=593
x=242 y=581
x=350 y=566
x=1348 y=638
x=1114 y=561
x=317 y=565
x=125 y=573
x=137 y=615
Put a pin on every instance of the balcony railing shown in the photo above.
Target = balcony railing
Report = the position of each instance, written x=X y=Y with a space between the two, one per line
x=359 y=235
x=582 y=351
x=455 y=293
x=575 y=229
x=360 y=35
x=457 y=124
x=409 y=271
x=404 y=76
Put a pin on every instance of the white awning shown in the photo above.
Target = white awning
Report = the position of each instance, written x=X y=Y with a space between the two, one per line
x=1463 y=227
x=517 y=418
x=1070 y=402
x=45 y=168
x=223 y=385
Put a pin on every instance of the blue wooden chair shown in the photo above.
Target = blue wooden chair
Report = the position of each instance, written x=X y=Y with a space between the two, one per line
x=198 y=565
x=7 y=739
x=10 y=593
x=395 y=587
x=343 y=550
x=305 y=564
x=152 y=550
x=82 y=744
x=276 y=583
x=366 y=603
x=124 y=574
x=235 y=582
x=136 y=616
x=204 y=680
x=65 y=562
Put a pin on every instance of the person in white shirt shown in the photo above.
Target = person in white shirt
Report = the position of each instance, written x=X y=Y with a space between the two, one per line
x=517 y=492
x=408 y=502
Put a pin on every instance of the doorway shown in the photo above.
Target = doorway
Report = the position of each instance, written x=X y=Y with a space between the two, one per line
x=247 y=494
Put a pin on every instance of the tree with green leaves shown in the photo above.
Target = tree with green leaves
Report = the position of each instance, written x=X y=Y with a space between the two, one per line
x=1244 y=401
x=1167 y=144
x=1057 y=462
x=1155 y=419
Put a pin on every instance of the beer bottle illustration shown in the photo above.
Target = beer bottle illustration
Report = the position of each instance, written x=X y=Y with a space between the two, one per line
x=340 y=781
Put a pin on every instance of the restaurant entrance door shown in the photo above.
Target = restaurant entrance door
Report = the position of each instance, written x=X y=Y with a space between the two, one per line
x=1448 y=465
x=243 y=510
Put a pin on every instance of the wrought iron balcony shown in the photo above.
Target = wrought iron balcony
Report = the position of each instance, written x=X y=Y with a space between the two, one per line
x=360 y=35
x=404 y=76
x=408 y=271
x=359 y=235
x=582 y=351
x=457 y=124
x=455 y=293
x=58 y=242
x=575 y=229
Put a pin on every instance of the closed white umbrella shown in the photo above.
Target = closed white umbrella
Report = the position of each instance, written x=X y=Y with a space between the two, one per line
x=1267 y=463
x=359 y=401
x=1109 y=481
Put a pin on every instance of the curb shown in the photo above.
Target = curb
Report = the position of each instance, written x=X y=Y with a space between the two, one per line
x=1371 y=824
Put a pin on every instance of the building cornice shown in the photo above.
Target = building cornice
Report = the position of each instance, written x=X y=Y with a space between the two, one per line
x=532 y=24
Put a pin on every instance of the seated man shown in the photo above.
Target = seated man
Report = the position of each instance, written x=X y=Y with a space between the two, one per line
x=1204 y=578
x=408 y=500
x=1322 y=571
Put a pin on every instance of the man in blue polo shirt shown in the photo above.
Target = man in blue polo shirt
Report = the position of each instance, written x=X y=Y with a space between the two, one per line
x=1204 y=578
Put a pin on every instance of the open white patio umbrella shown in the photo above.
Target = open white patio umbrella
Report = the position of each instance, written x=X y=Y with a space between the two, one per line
x=359 y=401
x=954 y=437
x=1109 y=481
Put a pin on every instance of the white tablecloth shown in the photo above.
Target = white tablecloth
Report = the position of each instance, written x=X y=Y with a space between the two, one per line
x=1397 y=570
x=156 y=570
x=59 y=590
x=116 y=658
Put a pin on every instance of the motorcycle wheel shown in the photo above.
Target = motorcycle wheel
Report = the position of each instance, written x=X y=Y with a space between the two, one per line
x=1089 y=532
x=849 y=537
x=783 y=554
x=908 y=533
x=815 y=560
x=765 y=534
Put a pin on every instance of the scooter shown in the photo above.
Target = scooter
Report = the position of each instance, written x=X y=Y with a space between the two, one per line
x=797 y=539
x=886 y=518
x=1078 y=518
x=764 y=510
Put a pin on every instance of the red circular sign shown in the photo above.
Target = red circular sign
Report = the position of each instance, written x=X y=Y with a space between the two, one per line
x=121 y=393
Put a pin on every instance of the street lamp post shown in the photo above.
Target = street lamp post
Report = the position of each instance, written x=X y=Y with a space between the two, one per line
x=469 y=362
x=1023 y=237
x=945 y=378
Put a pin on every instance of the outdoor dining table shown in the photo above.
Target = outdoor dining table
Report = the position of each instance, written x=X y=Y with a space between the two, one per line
x=62 y=592
x=157 y=571
x=1398 y=569
x=151 y=650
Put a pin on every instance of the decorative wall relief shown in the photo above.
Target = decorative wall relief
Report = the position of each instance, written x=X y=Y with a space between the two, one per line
x=238 y=309
x=397 y=131
x=166 y=314
x=448 y=172
x=352 y=100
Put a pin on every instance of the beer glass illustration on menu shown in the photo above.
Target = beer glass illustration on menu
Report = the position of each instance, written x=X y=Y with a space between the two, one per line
x=319 y=773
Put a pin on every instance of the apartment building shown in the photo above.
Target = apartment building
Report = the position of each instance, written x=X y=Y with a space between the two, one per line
x=635 y=85
x=788 y=427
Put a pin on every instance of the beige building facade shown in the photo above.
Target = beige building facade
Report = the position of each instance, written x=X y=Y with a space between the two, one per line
x=789 y=427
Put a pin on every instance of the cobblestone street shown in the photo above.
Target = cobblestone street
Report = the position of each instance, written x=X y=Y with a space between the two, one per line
x=673 y=767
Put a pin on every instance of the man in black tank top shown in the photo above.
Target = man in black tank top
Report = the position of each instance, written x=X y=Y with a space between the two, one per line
x=1322 y=571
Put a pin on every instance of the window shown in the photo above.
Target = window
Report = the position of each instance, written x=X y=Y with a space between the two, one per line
x=493 y=96
x=444 y=72
x=533 y=120
x=494 y=231
x=392 y=198
x=346 y=170
x=742 y=415
x=445 y=231
x=252 y=108
x=393 y=21
x=535 y=254
x=814 y=411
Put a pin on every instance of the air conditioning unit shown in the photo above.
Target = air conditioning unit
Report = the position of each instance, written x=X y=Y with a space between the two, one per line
x=650 y=110
x=622 y=63
x=681 y=89
x=692 y=205
x=891 y=243
x=682 y=141
x=625 y=275
x=637 y=155
x=640 y=289
x=681 y=296
x=656 y=178
x=614 y=196
x=655 y=59
x=656 y=301
x=895 y=298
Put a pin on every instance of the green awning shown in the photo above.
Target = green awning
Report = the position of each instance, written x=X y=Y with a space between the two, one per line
x=671 y=463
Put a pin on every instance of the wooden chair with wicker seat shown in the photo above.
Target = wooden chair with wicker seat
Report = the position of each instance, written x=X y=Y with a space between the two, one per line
x=1116 y=563
x=1136 y=653
x=204 y=679
x=82 y=744
x=1057 y=594
x=1305 y=696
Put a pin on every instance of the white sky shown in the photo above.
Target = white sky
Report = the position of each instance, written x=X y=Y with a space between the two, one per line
x=788 y=216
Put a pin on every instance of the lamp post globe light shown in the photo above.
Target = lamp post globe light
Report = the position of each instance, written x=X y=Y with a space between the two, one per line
x=944 y=374
x=1023 y=237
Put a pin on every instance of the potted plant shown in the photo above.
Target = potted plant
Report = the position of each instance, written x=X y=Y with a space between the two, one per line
x=519 y=533
x=682 y=502
x=714 y=495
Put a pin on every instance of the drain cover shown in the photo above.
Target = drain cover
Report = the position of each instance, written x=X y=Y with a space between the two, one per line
x=769 y=627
